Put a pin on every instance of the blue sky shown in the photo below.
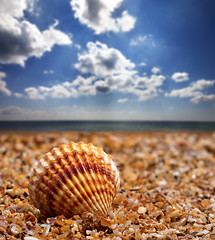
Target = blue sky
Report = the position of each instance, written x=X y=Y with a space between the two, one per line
x=107 y=60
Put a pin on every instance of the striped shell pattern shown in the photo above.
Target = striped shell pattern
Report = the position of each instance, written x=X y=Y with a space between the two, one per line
x=73 y=179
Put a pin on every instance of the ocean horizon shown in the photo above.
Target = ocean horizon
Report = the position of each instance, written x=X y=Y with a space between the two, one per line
x=98 y=126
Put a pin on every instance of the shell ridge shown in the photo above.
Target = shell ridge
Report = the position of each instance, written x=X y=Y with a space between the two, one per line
x=44 y=186
x=104 y=162
x=34 y=191
x=80 y=186
x=110 y=186
x=44 y=207
x=114 y=182
x=91 y=151
x=66 y=195
x=107 y=184
x=94 y=192
x=76 y=185
x=98 y=193
x=51 y=187
x=107 y=160
x=81 y=169
x=72 y=179
x=104 y=177
x=56 y=165
x=100 y=179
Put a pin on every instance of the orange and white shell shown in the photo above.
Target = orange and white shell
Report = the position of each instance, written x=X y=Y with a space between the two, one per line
x=74 y=179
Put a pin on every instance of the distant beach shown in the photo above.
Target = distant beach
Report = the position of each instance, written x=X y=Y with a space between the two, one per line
x=101 y=126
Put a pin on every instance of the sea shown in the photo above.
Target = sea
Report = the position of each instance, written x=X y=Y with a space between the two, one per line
x=98 y=126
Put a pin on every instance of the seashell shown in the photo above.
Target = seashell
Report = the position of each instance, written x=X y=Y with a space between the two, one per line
x=74 y=179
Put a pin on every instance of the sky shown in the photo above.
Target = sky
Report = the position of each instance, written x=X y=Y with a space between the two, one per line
x=107 y=60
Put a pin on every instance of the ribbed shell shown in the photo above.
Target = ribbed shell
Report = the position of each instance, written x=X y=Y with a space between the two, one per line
x=73 y=179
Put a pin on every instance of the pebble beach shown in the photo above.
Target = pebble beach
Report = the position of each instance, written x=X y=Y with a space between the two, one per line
x=167 y=186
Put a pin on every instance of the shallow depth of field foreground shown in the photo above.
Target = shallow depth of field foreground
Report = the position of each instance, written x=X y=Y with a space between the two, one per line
x=167 y=187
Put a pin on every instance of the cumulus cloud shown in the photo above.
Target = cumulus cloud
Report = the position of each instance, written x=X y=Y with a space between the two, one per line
x=202 y=98
x=194 y=91
x=145 y=94
x=97 y=15
x=21 y=39
x=102 y=61
x=108 y=66
x=112 y=71
x=103 y=70
x=56 y=91
x=33 y=93
x=3 y=85
x=151 y=82
x=180 y=76
x=202 y=84
x=102 y=87
x=156 y=70
x=81 y=81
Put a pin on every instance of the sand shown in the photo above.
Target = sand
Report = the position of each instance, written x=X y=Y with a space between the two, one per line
x=167 y=186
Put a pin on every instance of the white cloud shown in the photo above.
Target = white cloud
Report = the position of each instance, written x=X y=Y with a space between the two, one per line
x=139 y=40
x=202 y=98
x=104 y=70
x=20 y=39
x=97 y=15
x=78 y=46
x=83 y=86
x=143 y=64
x=87 y=90
x=81 y=81
x=18 y=95
x=102 y=61
x=56 y=91
x=102 y=86
x=145 y=94
x=122 y=100
x=59 y=91
x=180 y=76
x=202 y=84
x=195 y=91
x=146 y=40
x=150 y=82
x=3 y=85
x=33 y=7
x=156 y=70
x=33 y=93
x=108 y=67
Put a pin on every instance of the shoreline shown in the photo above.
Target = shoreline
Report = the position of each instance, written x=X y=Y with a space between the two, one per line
x=33 y=132
x=93 y=126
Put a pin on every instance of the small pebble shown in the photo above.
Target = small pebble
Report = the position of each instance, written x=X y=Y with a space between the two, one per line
x=141 y=210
